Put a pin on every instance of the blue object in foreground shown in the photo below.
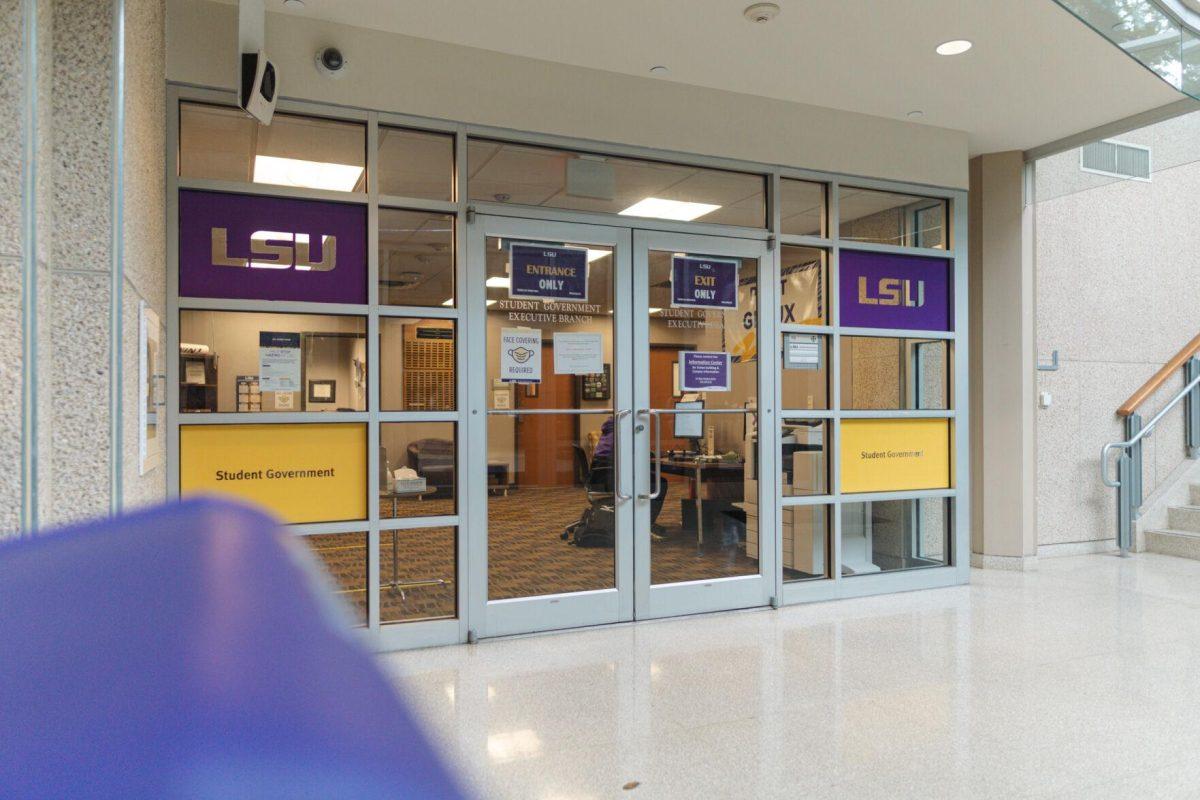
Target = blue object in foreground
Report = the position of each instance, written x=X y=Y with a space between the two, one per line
x=185 y=651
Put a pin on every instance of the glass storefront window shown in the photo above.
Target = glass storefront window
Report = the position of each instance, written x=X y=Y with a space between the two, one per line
x=891 y=535
x=804 y=371
x=804 y=457
x=885 y=373
x=317 y=362
x=222 y=143
x=888 y=218
x=418 y=469
x=804 y=288
x=416 y=258
x=505 y=172
x=418 y=571
x=417 y=363
x=806 y=533
x=344 y=557
x=801 y=208
x=416 y=163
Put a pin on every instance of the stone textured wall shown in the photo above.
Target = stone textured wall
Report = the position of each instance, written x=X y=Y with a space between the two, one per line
x=74 y=247
x=1118 y=266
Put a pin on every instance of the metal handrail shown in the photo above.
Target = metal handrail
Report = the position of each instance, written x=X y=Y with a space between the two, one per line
x=1159 y=378
x=1143 y=433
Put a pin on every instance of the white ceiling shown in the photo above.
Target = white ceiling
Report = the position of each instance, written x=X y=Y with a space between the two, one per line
x=1035 y=75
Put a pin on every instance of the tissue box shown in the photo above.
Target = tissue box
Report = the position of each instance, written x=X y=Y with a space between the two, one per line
x=403 y=485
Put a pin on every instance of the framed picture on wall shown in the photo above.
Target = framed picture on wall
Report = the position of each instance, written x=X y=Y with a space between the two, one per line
x=322 y=391
x=597 y=386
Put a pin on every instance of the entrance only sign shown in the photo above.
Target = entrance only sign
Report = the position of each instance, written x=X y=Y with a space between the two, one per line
x=548 y=273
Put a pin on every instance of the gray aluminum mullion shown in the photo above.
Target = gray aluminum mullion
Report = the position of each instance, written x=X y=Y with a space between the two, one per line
x=786 y=501
x=273 y=307
x=273 y=190
x=273 y=417
x=403 y=203
x=374 y=376
x=959 y=556
x=791 y=327
x=897 y=413
x=900 y=333
x=806 y=413
x=833 y=223
x=769 y=424
x=606 y=220
x=417 y=416
x=796 y=240
x=419 y=312
x=319 y=528
x=464 y=497
x=170 y=412
x=420 y=523
x=894 y=249
x=908 y=494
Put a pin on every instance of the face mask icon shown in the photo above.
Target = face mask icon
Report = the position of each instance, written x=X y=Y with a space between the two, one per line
x=520 y=354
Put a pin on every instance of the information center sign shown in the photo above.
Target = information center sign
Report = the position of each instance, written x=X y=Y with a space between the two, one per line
x=885 y=290
x=548 y=273
x=703 y=283
x=703 y=372
x=249 y=247
x=893 y=455
x=315 y=472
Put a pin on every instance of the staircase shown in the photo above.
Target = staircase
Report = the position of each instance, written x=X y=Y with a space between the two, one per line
x=1181 y=537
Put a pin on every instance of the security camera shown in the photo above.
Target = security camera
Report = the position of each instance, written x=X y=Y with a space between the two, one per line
x=331 y=63
x=259 y=87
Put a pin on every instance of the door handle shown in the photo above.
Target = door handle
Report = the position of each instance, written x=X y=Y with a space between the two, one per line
x=656 y=423
x=620 y=496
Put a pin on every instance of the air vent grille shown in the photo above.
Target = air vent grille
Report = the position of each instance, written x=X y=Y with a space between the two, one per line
x=1116 y=159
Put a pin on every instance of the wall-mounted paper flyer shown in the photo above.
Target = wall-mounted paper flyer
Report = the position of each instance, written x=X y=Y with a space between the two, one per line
x=278 y=361
x=578 y=353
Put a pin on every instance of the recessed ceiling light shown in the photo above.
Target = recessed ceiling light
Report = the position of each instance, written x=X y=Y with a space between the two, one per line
x=953 y=47
x=669 y=209
x=293 y=5
x=915 y=114
x=596 y=255
x=309 y=174
x=498 y=282
x=659 y=69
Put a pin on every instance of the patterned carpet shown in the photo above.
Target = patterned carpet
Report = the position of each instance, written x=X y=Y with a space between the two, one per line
x=526 y=555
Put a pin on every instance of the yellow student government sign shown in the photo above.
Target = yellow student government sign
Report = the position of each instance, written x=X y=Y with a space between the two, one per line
x=892 y=455
x=302 y=472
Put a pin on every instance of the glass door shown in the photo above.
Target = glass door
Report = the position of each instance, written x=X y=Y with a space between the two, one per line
x=704 y=519
x=551 y=516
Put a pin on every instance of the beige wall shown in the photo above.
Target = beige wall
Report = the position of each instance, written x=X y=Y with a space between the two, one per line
x=433 y=79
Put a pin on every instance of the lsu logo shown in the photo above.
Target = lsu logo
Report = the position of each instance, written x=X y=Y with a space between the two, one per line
x=892 y=292
x=275 y=250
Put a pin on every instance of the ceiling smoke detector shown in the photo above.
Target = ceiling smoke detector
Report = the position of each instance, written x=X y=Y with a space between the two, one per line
x=761 y=13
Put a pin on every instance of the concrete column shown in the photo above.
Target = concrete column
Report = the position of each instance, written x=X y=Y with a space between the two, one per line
x=1002 y=377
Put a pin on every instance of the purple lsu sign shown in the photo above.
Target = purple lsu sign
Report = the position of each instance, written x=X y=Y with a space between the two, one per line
x=883 y=290
x=248 y=247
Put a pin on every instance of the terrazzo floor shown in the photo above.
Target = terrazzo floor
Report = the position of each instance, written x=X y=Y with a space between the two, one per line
x=1078 y=680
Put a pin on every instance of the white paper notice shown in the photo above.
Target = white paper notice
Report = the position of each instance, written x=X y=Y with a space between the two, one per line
x=521 y=355
x=578 y=354
x=802 y=351
x=279 y=362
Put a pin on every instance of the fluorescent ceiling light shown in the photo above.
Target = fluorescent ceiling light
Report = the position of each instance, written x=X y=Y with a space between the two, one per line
x=449 y=302
x=953 y=48
x=491 y=302
x=307 y=174
x=669 y=209
x=595 y=255
x=655 y=310
x=498 y=282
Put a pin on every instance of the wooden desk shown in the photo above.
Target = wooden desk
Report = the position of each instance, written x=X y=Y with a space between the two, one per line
x=694 y=469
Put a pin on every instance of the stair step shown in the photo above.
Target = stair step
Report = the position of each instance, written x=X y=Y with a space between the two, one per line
x=1184 y=518
x=1183 y=544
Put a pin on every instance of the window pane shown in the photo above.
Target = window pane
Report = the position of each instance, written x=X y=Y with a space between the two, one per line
x=806 y=533
x=804 y=457
x=222 y=358
x=416 y=258
x=889 y=535
x=886 y=218
x=417 y=574
x=417 y=469
x=540 y=176
x=417 y=364
x=804 y=286
x=344 y=557
x=550 y=475
x=416 y=163
x=802 y=208
x=880 y=373
x=804 y=378
x=223 y=143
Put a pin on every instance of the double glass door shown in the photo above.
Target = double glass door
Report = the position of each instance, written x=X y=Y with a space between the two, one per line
x=615 y=387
